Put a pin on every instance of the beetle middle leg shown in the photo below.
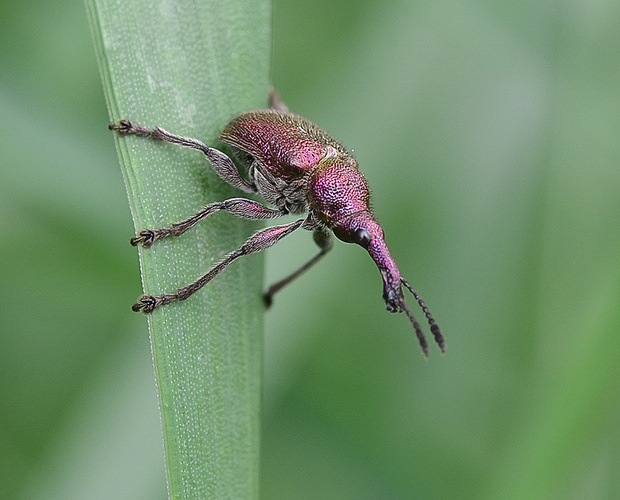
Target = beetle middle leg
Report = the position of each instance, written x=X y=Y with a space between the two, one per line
x=241 y=207
x=324 y=240
x=259 y=241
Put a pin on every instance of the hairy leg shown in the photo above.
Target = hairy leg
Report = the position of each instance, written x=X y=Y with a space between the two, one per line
x=221 y=163
x=241 y=207
x=324 y=240
x=258 y=242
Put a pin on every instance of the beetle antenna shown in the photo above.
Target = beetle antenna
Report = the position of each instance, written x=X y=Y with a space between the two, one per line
x=429 y=317
x=416 y=326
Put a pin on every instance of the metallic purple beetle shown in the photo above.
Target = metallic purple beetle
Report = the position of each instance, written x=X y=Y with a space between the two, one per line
x=298 y=168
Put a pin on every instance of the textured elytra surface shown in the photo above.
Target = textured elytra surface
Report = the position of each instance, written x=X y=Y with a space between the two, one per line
x=287 y=145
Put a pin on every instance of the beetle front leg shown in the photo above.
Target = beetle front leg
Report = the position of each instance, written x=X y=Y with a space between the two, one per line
x=221 y=163
x=240 y=207
x=259 y=241
x=323 y=239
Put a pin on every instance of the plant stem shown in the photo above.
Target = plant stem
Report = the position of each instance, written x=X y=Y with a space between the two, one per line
x=190 y=67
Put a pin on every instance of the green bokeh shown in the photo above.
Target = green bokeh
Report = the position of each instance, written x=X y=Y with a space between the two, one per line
x=489 y=133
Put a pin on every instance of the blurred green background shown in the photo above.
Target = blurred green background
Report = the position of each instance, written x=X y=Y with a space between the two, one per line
x=490 y=135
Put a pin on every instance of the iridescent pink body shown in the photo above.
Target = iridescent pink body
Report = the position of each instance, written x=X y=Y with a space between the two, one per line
x=297 y=167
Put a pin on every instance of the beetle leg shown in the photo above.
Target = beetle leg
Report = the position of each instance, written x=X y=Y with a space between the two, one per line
x=275 y=102
x=323 y=238
x=221 y=163
x=258 y=242
x=240 y=207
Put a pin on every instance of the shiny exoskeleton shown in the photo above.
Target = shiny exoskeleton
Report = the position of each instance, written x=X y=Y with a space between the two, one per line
x=298 y=168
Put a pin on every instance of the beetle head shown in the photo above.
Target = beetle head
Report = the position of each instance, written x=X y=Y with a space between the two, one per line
x=362 y=229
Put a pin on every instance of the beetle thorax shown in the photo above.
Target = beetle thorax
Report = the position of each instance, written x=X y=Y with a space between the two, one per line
x=282 y=152
x=336 y=189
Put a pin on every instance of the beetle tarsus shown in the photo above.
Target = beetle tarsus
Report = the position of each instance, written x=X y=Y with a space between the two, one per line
x=146 y=238
x=127 y=127
x=148 y=303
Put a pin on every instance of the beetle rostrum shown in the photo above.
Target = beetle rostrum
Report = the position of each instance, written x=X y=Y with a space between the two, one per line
x=297 y=168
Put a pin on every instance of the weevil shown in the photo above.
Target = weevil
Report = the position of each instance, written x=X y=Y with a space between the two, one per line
x=299 y=169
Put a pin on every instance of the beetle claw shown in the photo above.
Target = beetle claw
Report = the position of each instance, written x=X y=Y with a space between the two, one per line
x=146 y=304
x=146 y=238
x=267 y=300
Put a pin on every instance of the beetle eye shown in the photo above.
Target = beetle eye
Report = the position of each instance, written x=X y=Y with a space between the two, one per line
x=362 y=237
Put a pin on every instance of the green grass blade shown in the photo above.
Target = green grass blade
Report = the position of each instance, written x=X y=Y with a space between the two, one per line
x=190 y=67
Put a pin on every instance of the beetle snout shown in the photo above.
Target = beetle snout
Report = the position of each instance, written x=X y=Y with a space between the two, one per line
x=393 y=299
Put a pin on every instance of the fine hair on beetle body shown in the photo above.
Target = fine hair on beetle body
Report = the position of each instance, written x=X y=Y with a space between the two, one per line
x=298 y=169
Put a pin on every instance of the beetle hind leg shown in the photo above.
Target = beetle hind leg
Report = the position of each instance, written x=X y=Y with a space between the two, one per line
x=324 y=240
x=259 y=241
